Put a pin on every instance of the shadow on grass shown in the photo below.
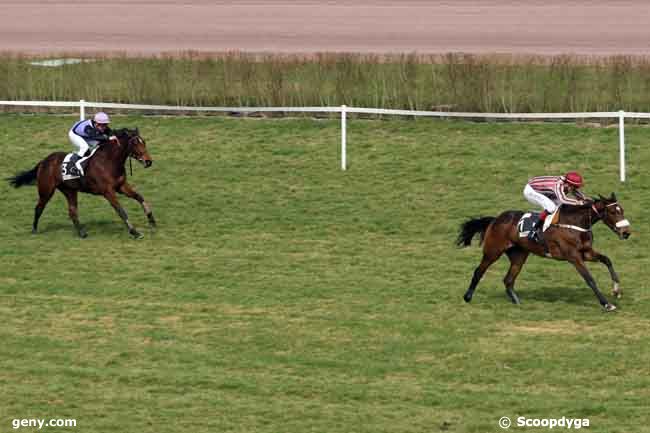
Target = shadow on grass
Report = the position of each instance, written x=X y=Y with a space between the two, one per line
x=582 y=296
x=101 y=226
x=570 y=295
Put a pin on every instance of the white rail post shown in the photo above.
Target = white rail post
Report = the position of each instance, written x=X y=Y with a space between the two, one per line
x=343 y=139
x=82 y=109
x=621 y=142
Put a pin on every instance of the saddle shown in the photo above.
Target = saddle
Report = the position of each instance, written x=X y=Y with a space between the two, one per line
x=529 y=219
x=526 y=223
x=69 y=170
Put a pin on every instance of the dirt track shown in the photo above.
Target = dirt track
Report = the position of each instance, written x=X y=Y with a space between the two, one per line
x=593 y=27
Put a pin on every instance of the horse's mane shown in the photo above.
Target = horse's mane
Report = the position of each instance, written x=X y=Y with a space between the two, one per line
x=123 y=135
x=125 y=132
x=592 y=201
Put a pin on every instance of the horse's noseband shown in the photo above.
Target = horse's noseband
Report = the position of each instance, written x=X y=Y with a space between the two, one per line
x=619 y=224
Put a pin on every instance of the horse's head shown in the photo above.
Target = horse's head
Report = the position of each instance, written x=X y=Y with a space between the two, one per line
x=136 y=145
x=612 y=214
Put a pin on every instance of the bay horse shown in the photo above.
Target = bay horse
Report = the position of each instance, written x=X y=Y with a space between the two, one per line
x=105 y=175
x=568 y=238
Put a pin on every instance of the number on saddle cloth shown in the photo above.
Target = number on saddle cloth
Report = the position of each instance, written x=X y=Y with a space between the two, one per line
x=69 y=170
x=526 y=223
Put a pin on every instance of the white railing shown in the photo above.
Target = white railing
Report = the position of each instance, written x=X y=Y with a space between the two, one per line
x=621 y=115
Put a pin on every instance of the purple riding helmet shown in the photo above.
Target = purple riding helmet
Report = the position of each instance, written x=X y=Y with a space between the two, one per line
x=102 y=118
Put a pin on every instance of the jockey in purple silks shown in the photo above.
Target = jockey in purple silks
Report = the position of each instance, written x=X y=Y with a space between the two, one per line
x=85 y=135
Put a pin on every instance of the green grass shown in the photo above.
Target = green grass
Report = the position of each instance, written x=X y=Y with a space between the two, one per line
x=450 y=82
x=280 y=294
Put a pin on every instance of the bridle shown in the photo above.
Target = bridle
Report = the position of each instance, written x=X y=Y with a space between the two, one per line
x=619 y=224
x=130 y=146
x=133 y=140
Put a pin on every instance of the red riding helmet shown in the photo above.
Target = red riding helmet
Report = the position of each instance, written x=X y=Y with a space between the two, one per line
x=573 y=178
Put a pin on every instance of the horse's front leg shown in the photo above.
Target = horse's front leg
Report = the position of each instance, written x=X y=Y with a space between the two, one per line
x=130 y=192
x=112 y=199
x=595 y=256
x=582 y=270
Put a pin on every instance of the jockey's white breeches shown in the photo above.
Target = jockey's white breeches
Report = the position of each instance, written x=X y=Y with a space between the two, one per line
x=82 y=147
x=79 y=143
x=539 y=199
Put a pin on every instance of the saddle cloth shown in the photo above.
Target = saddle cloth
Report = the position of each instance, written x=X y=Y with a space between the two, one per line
x=68 y=169
x=527 y=220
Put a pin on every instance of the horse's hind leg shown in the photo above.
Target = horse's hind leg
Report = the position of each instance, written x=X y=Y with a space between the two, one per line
x=517 y=258
x=71 y=196
x=45 y=192
x=489 y=257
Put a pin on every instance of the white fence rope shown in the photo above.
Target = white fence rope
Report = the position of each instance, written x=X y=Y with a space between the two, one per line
x=343 y=110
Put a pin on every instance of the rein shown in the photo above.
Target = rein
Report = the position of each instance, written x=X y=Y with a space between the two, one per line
x=572 y=227
x=130 y=150
x=584 y=230
x=129 y=147
x=578 y=228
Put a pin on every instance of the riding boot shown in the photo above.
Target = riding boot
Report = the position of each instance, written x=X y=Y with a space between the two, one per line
x=79 y=167
x=534 y=233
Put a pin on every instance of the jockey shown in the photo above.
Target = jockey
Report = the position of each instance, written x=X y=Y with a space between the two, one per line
x=551 y=191
x=87 y=134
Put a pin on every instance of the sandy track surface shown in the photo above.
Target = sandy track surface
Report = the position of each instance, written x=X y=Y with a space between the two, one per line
x=594 y=27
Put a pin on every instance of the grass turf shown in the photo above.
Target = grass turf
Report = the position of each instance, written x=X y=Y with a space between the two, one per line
x=280 y=294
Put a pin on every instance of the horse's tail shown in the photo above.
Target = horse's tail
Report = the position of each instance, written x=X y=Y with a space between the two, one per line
x=24 y=178
x=470 y=227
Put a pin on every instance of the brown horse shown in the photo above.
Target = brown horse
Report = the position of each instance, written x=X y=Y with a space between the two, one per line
x=105 y=175
x=569 y=238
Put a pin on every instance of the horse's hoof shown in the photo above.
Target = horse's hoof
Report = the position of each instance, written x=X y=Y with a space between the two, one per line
x=616 y=291
x=136 y=235
x=513 y=297
x=83 y=234
x=610 y=307
x=467 y=298
x=34 y=231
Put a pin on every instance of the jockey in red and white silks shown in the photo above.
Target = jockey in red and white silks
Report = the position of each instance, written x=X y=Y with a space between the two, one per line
x=549 y=192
